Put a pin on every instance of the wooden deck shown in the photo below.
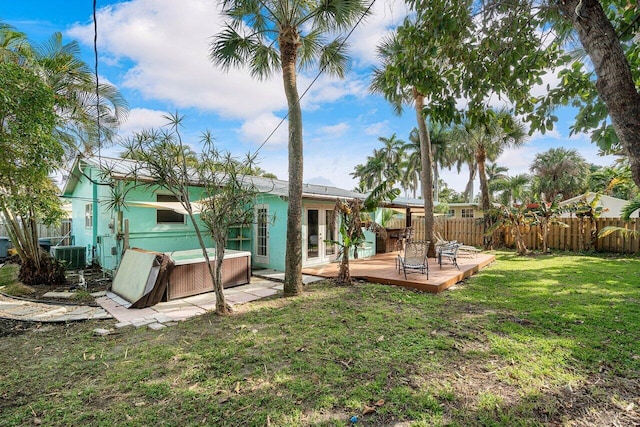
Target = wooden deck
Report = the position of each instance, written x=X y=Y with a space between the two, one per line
x=382 y=269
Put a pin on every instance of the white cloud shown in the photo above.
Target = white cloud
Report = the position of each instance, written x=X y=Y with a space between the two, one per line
x=334 y=131
x=142 y=118
x=385 y=16
x=327 y=90
x=333 y=165
x=377 y=129
x=167 y=43
x=550 y=134
x=257 y=129
x=518 y=160
x=162 y=48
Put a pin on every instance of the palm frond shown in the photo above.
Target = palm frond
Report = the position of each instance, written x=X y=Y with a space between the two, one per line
x=630 y=208
x=265 y=61
x=310 y=48
x=334 y=59
x=338 y=15
x=230 y=49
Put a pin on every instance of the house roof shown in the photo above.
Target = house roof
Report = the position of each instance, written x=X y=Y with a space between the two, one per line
x=124 y=168
x=612 y=206
x=406 y=202
x=464 y=205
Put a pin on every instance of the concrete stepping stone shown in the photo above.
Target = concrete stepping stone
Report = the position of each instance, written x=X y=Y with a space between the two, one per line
x=62 y=295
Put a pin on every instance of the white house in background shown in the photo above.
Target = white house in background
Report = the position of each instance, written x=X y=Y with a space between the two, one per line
x=465 y=210
x=612 y=206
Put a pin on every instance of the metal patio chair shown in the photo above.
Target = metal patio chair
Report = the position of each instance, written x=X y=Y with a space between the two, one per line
x=449 y=251
x=414 y=258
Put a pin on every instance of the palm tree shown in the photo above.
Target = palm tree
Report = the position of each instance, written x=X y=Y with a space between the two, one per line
x=458 y=153
x=412 y=162
x=133 y=151
x=494 y=171
x=512 y=188
x=14 y=45
x=559 y=171
x=85 y=116
x=384 y=166
x=372 y=173
x=392 y=149
x=495 y=176
x=440 y=138
x=488 y=142
x=286 y=35
x=86 y=119
x=390 y=82
x=614 y=180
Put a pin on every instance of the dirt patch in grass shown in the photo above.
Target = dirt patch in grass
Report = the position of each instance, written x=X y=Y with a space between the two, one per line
x=94 y=281
x=10 y=327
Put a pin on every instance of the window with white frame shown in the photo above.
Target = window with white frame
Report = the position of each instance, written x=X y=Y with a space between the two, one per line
x=88 y=215
x=467 y=213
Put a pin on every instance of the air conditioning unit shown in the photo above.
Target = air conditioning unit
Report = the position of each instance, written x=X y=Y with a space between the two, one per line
x=74 y=257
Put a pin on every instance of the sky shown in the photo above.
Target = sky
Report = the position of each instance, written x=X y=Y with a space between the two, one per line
x=156 y=53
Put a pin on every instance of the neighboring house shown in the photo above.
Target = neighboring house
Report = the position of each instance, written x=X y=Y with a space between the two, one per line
x=157 y=222
x=612 y=206
x=465 y=210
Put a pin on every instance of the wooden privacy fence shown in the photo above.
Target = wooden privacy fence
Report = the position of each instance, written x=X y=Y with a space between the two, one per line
x=469 y=232
x=60 y=233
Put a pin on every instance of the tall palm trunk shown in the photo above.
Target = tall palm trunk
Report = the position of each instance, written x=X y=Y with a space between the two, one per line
x=289 y=43
x=468 y=189
x=426 y=168
x=481 y=158
x=436 y=178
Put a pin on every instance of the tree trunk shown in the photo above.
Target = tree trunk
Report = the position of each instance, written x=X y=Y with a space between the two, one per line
x=222 y=308
x=521 y=248
x=468 y=189
x=436 y=178
x=289 y=44
x=481 y=157
x=614 y=83
x=426 y=170
x=15 y=233
x=344 y=275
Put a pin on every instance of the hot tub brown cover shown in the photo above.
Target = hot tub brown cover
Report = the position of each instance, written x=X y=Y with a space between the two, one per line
x=142 y=277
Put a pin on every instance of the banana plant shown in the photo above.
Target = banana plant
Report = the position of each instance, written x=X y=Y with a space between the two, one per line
x=588 y=212
x=546 y=215
x=519 y=220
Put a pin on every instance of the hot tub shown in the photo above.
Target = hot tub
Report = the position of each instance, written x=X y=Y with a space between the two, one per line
x=191 y=275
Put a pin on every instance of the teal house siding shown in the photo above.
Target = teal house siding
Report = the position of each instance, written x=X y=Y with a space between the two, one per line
x=146 y=233
x=99 y=233
x=99 y=226
x=277 y=232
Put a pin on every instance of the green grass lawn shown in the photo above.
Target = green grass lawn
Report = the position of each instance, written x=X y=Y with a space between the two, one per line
x=547 y=340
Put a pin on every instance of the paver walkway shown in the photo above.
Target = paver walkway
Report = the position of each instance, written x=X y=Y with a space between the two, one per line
x=17 y=309
x=155 y=317
x=167 y=313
